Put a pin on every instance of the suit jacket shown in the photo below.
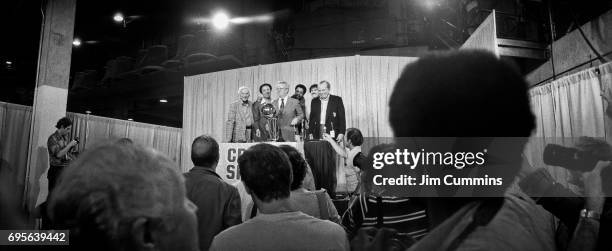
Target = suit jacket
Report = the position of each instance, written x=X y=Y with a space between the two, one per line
x=292 y=110
x=259 y=122
x=236 y=124
x=218 y=203
x=334 y=115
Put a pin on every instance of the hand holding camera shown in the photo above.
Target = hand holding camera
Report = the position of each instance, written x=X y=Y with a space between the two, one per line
x=584 y=158
x=593 y=187
x=592 y=158
x=74 y=142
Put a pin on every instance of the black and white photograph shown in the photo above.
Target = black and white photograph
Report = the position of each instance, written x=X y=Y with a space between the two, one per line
x=365 y=125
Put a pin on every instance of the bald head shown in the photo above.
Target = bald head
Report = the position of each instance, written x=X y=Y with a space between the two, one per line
x=205 y=151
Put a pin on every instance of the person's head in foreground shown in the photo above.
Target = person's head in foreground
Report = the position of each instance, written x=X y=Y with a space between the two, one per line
x=205 y=151
x=125 y=141
x=124 y=197
x=298 y=166
x=460 y=94
x=464 y=94
x=266 y=172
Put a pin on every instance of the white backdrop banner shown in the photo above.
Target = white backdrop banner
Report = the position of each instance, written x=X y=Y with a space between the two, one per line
x=363 y=82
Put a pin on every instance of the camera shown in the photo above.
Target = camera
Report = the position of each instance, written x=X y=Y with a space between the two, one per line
x=577 y=160
x=569 y=158
x=77 y=140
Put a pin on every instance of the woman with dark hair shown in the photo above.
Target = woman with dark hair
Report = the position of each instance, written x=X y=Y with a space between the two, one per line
x=315 y=203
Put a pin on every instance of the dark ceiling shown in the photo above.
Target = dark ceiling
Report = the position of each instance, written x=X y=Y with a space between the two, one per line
x=158 y=20
x=164 y=21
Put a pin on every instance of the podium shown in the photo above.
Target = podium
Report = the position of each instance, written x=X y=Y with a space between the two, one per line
x=322 y=160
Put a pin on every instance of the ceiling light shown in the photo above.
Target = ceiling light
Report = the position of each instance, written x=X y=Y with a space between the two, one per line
x=220 y=20
x=163 y=100
x=76 y=42
x=431 y=4
x=118 y=18
x=130 y=119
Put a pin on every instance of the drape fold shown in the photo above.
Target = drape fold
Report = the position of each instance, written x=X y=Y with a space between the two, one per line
x=566 y=109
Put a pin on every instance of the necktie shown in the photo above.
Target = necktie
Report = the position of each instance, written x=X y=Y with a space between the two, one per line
x=282 y=107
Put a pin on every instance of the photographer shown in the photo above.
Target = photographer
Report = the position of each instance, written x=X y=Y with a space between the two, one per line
x=584 y=212
x=59 y=148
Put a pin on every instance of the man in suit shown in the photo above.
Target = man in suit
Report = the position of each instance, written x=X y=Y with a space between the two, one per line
x=239 y=118
x=300 y=90
x=327 y=111
x=288 y=111
x=314 y=93
x=260 y=123
x=218 y=202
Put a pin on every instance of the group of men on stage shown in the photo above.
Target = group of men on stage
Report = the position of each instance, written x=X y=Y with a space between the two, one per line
x=293 y=115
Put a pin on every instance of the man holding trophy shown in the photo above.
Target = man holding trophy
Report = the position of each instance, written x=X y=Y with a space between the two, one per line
x=288 y=114
x=260 y=122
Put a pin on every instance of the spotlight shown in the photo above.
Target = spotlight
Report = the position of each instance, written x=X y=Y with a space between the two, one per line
x=130 y=119
x=118 y=18
x=76 y=42
x=163 y=100
x=431 y=4
x=220 y=20
x=8 y=63
x=88 y=112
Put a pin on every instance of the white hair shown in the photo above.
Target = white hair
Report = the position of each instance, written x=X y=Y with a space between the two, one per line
x=282 y=83
x=325 y=82
x=243 y=88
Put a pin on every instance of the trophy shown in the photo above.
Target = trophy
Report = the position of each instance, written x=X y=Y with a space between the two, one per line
x=269 y=112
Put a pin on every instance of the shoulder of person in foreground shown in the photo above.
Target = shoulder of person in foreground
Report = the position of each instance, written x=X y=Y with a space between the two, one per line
x=329 y=228
x=228 y=237
x=519 y=225
x=329 y=234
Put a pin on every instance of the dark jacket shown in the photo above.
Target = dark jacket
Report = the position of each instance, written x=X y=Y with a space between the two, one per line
x=259 y=122
x=334 y=116
x=218 y=203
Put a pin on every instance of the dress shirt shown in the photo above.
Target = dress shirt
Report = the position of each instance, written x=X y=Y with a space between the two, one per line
x=323 y=110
